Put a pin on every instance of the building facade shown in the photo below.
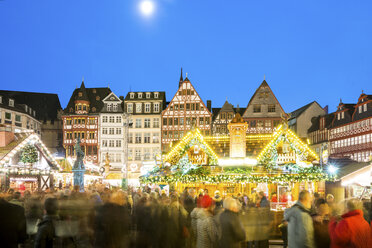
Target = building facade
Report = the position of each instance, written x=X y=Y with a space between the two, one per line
x=222 y=117
x=264 y=111
x=81 y=121
x=300 y=119
x=351 y=132
x=17 y=116
x=48 y=110
x=111 y=135
x=185 y=111
x=144 y=143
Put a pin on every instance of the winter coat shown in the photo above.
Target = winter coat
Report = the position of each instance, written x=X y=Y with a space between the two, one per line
x=264 y=203
x=300 y=226
x=321 y=234
x=112 y=226
x=195 y=215
x=13 y=224
x=45 y=235
x=206 y=235
x=351 y=231
x=232 y=230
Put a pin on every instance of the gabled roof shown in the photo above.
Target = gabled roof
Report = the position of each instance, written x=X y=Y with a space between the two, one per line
x=263 y=84
x=299 y=111
x=46 y=105
x=161 y=96
x=316 y=122
x=286 y=134
x=194 y=136
x=94 y=96
x=228 y=107
x=112 y=97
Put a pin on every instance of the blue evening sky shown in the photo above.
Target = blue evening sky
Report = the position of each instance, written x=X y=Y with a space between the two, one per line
x=308 y=49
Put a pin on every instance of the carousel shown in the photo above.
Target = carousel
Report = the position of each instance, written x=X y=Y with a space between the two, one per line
x=280 y=165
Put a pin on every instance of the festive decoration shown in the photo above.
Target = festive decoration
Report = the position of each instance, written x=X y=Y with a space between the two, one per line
x=269 y=155
x=192 y=138
x=79 y=168
x=29 y=154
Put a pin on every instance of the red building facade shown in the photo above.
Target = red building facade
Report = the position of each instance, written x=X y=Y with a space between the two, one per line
x=81 y=120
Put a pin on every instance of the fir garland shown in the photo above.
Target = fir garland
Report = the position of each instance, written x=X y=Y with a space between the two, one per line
x=29 y=154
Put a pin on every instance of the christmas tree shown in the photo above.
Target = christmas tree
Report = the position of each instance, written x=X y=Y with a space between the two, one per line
x=29 y=154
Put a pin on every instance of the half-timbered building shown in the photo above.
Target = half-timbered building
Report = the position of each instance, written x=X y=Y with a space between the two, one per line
x=185 y=111
x=81 y=119
x=222 y=117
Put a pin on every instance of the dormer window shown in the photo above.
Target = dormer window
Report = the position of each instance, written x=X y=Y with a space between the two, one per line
x=26 y=108
x=80 y=94
x=139 y=95
x=115 y=107
x=342 y=115
x=365 y=108
x=360 y=109
x=1 y=99
x=97 y=98
x=156 y=95
x=109 y=107
x=94 y=91
x=148 y=95
x=34 y=113
x=131 y=95
x=11 y=102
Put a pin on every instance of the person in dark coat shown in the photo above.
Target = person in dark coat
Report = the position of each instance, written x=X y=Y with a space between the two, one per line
x=46 y=229
x=321 y=222
x=232 y=230
x=13 y=225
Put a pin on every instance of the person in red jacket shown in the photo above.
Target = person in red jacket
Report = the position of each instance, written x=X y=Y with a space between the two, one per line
x=352 y=230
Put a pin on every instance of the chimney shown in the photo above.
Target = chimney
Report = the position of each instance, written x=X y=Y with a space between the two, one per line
x=209 y=105
x=326 y=109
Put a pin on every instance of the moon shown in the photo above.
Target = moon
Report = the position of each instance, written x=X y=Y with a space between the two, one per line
x=147 y=7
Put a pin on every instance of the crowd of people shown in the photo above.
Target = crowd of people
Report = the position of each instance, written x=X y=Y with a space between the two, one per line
x=154 y=219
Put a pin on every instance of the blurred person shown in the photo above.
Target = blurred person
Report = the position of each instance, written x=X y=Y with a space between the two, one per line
x=351 y=229
x=188 y=199
x=112 y=223
x=232 y=230
x=300 y=224
x=263 y=202
x=13 y=224
x=178 y=223
x=16 y=199
x=195 y=215
x=207 y=234
x=217 y=199
x=321 y=222
x=274 y=197
x=46 y=228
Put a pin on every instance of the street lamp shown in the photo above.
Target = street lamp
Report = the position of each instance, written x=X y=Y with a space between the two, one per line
x=127 y=123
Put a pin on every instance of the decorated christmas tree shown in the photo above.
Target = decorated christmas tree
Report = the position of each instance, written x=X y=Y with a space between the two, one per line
x=29 y=154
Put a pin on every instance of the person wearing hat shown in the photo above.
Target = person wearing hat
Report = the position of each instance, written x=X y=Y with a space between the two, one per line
x=218 y=201
x=206 y=227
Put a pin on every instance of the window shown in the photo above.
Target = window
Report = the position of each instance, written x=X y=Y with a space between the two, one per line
x=104 y=119
x=104 y=130
x=112 y=130
x=18 y=118
x=256 y=108
x=181 y=121
x=156 y=107
x=118 y=143
x=130 y=138
x=111 y=143
x=342 y=115
x=187 y=106
x=165 y=134
x=267 y=124
x=130 y=108
x=131 y=95
x=207 y=120
x=138 y=123
x=182 y=106
x=91 y=135
x=146 y=138
x=147 y=95
x=176 y=134
x=104 y=143
x=109 y=107
x=155 y=122
x=175 y=121
x=165 y=121
x=146 y=155
x=360 y=109
x=201 y=120
x=170 y=121
x=147 y=108
x=115 y=107
x=338 y=116
x=155 y=138
x=365 y=107
x=260 y=124
x=138 y=107
x=271 y=108
x=130 y=154
x=147 y=123
x=11 y=102
x=138 y=154
x=138 y=138
x=1 y=101
x=139 y=95
x=112 y=119
x=118 y=130
x=118 y=119
x=156 y=94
